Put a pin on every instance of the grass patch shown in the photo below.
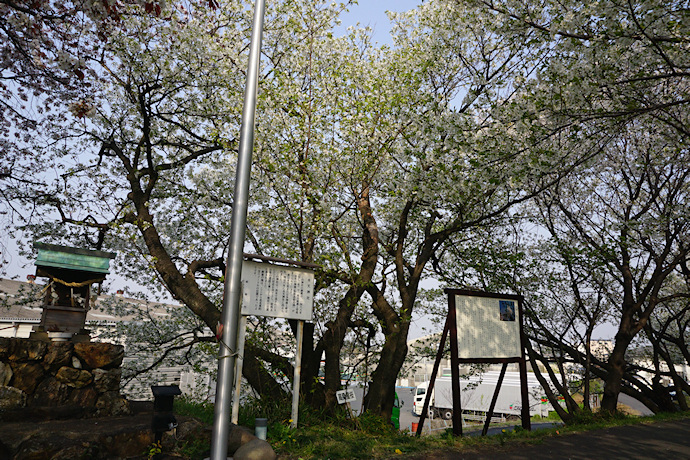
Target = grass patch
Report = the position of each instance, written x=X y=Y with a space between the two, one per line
x=552 y=417
x=370 y=437
x=201 y=410
x=586 y=421
x=347 y=440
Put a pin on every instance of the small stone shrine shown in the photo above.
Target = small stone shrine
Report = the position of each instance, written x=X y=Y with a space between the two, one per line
x=71 y=273
x=57 y=369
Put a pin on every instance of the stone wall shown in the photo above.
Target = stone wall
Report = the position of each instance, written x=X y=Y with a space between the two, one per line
x=38 y=374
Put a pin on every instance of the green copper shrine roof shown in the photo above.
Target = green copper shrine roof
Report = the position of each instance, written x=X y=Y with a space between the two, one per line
x=51 y=255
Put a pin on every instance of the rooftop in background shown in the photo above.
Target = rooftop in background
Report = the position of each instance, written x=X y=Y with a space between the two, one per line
x=22 y=302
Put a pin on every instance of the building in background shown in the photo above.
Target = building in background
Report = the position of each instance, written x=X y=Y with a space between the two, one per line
x=110 y=320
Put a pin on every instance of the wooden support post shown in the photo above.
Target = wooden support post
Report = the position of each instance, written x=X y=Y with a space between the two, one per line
x=430 y=388
x=526 y=422
x=494 y=399
x=455 y=367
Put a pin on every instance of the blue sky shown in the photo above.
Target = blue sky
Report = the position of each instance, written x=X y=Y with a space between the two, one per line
x=372 y=13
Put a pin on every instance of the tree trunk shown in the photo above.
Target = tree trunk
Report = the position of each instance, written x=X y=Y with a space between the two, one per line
x=259 y=379
x=588 y=369
x=553 y=399
x=381 y=395
x=682 y=388
x=331 y=343
x=616 y=370
x=626 y=331
x=562 y=386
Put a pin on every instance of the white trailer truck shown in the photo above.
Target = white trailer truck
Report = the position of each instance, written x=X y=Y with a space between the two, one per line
x=477 y=392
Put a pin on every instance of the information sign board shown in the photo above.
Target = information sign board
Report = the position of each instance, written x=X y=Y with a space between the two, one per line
x=488 y=327
x=277 y=291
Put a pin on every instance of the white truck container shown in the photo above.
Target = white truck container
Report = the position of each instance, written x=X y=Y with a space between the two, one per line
x=477 y=392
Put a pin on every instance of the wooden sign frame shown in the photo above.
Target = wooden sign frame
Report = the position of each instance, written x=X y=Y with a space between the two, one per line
x=451 y=327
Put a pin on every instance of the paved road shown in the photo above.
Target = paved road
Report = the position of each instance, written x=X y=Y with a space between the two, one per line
x=406 y=397
x=666 y=440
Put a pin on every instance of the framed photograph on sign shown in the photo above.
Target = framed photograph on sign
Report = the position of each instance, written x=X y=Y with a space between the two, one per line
x=507 y=308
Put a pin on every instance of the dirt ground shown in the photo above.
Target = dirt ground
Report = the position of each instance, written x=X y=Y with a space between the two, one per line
x=665 y=440
x=41 y=435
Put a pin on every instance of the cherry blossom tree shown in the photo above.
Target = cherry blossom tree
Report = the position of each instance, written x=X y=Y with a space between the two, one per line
x=608 y=68
x=385 y=168
x=47 y=48
x=165 y=93
x=605 y=61
x=370 y=161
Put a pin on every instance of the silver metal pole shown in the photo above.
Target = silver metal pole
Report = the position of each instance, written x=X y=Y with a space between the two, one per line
x=297 y=374
x=233 y=282
x=239 y=361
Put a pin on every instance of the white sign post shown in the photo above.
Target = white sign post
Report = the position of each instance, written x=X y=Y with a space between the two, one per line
x=281 y=292
x=346 y=397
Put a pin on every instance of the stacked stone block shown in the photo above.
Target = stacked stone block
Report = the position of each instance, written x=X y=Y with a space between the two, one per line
x=36 y=374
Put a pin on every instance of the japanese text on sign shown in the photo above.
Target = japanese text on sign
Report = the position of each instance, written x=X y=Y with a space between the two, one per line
x=487 y=327
x=277 y=291
x=345 y=396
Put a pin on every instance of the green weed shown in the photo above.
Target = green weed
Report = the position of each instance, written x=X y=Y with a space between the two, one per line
x=336 y=436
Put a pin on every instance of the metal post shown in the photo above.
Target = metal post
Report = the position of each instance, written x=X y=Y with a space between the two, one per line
x=297 y=374
x=239 y=362
x=231 y=300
